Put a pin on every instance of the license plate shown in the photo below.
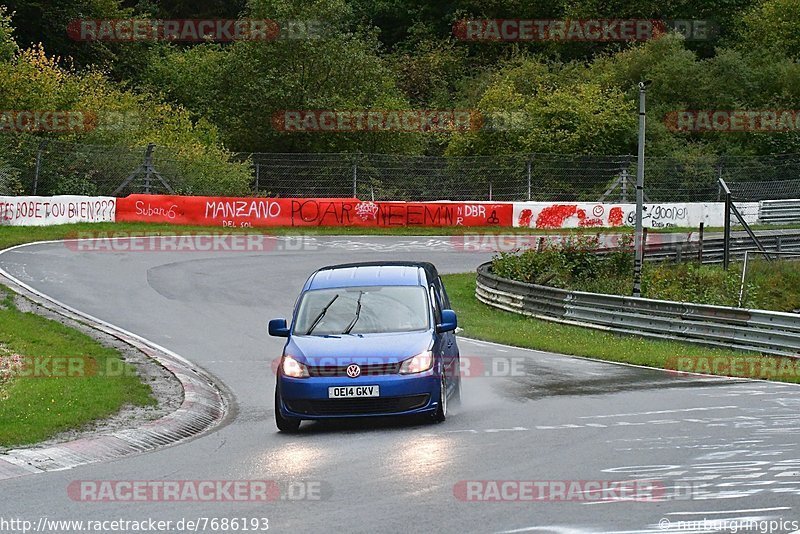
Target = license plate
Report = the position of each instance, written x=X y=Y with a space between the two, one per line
x=347 y=392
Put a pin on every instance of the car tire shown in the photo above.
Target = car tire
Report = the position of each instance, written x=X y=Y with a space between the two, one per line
x=441 y=411
x=285 y=424
x=456 y=400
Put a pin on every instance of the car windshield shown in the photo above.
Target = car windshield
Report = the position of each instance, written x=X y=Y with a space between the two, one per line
x=362 y=310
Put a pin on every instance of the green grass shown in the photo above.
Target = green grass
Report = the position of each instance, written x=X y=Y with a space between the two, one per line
x=480 y=321
x=34 y=408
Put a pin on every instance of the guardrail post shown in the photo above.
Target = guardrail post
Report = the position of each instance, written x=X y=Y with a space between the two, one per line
x=700 y=244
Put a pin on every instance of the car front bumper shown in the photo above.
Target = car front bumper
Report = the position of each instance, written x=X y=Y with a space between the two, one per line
x=307 y=398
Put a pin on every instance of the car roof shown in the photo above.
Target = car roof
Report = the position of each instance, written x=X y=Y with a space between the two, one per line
x=375 y=273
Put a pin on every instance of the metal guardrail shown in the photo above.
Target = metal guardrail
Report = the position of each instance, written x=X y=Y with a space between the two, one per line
x=754 y=330
x=713 y=248
x=779 y=211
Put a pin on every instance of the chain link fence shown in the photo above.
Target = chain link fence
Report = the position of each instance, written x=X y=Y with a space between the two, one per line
x=31 y=165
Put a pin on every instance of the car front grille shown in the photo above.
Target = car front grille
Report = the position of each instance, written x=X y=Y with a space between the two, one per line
x=366 y=370
x=358 y=406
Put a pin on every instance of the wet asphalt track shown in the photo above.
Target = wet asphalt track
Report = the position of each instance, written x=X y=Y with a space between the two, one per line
x=736 y=443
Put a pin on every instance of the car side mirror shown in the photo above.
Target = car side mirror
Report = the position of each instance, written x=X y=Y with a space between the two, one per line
x=278 y=328
x=449 y=322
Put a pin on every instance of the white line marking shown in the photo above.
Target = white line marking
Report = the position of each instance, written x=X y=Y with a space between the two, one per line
x=660 y=411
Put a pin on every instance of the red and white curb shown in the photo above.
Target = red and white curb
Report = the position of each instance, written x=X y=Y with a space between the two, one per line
x=204 y=405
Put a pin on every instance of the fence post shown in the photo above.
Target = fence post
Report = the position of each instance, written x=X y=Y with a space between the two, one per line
x=258 y=172
x=355 y=177
x=490 y=191
x=148 y=162
x=529 y=179
x=624 y=185
x=42 y=146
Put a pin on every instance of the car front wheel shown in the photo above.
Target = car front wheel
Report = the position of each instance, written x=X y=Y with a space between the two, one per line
x=284 y=424
x=441 y=412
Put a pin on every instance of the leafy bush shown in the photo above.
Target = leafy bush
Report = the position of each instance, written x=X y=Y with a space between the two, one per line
x=691 y=282
x=568 y=263
x=9 y=179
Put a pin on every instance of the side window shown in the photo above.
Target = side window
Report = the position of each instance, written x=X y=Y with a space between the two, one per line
x=437 y=308
x=445 y=299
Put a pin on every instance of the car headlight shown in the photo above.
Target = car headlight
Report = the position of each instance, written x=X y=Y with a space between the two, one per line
x=294 y=369
x=419 y=363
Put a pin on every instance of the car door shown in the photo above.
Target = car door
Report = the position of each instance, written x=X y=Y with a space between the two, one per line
x=449 y=347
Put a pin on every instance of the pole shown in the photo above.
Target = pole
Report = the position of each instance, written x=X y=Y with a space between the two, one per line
x=726 y=254
x=529 y=180
x=148 y=164
x=42 y=146
x=355 y=179
x=624 y=185
x=638 y=237
x=744 y=276
x=700 y=244
x=257 y=176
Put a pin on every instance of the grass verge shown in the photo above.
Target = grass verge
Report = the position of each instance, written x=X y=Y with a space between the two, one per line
x=65 y=379
x=480 y=321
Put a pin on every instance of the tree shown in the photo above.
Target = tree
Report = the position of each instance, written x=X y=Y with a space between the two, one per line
x=240 y=87
x=536 y=106
x=8 y=46
x=195 y=158
x=773 y=25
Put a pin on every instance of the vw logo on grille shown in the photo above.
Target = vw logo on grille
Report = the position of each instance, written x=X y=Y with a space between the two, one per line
x=353 y=370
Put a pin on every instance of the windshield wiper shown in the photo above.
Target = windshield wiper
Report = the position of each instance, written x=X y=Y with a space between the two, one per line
x=358 y=314
x=319 y=317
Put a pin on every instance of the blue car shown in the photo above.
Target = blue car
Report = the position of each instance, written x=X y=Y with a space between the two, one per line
x=368 y=339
